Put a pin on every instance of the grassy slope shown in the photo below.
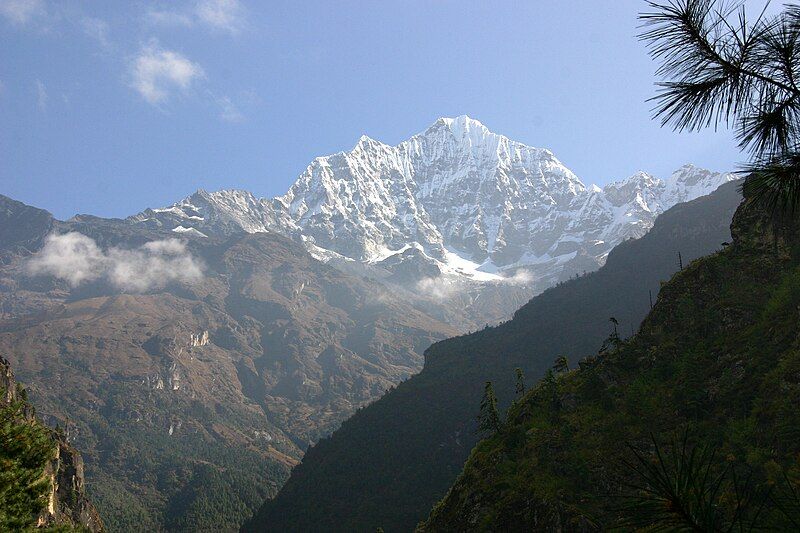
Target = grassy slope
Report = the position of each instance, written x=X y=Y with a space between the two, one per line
x=719 y=354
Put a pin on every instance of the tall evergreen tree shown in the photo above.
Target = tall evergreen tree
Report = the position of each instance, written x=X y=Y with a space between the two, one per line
x=519 y=388
x=25 y=449
x=719 y=66
x=488 y=417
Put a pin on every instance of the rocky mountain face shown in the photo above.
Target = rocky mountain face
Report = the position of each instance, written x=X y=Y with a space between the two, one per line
x=468 y=202
x=66 y=502
x=193 y=373
x=389 y=463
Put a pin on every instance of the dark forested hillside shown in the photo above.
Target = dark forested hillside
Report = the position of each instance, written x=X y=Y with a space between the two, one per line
x=690 y=425
x=388 y=464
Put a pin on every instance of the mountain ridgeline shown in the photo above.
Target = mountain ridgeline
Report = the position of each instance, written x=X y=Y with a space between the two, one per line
x=455 y=204
x=690 y=425
x=390 y=462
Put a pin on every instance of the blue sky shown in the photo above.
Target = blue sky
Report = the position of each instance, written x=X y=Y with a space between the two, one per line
x=111 y=107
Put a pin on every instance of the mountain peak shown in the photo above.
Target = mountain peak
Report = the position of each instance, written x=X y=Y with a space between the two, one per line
x=462 y=121
x=366 y=142
x=639 y=178
x=461 y=126
x=365 y=139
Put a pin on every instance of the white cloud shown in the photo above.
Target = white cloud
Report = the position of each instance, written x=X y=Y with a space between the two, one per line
x=97 y=29
x=73 y=257
x=156 y=72
x=41 y=96
x=21 y=11
x=521 y=277
x=221 y=14
x=76 y=258
x=224 y=15
x=439 y=288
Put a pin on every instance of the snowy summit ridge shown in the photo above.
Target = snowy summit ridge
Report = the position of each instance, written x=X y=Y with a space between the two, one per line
x=463 y=197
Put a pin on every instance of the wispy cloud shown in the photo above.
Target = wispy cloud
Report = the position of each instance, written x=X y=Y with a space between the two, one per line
x=77 y=259
x=156 y=72
x=221 y=15
x=96 y=29
x=439 y=288
x=227 y=15
x=21 y=11
x=41 y=96
x=228 y=110
x=521 y=277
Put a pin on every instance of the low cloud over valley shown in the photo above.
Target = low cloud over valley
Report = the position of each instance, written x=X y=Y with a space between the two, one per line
x=78 y=259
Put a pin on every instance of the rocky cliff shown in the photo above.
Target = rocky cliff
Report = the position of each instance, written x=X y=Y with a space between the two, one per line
x=66 y=500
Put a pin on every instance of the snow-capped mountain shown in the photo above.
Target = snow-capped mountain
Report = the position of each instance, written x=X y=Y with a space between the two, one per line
x=460 y=197
x=221 y=212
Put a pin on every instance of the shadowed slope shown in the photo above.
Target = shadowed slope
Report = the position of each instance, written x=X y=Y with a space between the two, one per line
x=714 y=365
x=388 y=464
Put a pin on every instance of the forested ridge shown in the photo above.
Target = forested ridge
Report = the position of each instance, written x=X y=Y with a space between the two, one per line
x=690 y=423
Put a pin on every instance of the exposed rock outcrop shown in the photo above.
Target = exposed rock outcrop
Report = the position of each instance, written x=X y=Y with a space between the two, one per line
x=67 y=502
x=200 y=339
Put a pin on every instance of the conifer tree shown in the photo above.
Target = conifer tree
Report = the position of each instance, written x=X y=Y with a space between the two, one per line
x=615 y=322
x=561 y=364
x=488 y=417
x=721 y=67
x=519 y=388
x=25 y=449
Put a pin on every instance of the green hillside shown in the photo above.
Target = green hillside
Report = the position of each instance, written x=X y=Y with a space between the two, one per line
x=690 y=425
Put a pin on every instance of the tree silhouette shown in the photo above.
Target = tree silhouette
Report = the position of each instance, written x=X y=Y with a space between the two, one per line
x=561 y=364
x=720 y=68
x=488 y=417
x=519 y=388
x=612 y=342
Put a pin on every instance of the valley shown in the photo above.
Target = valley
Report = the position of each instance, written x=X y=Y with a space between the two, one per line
x=575 y=308
x=202 y=347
